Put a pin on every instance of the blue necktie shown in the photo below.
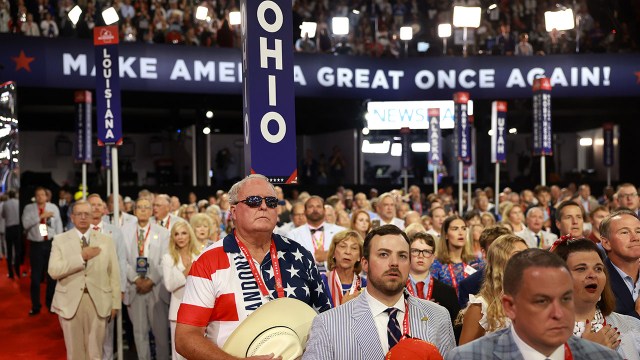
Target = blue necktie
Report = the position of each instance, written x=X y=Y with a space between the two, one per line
x=393 y=328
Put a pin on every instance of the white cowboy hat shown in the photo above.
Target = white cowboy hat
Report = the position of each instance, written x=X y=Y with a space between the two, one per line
x=280 y=327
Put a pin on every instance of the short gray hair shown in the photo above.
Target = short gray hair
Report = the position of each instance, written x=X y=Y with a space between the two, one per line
x=235 y=189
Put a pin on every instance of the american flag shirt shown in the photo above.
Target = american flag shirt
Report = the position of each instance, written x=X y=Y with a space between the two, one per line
x=221 y=291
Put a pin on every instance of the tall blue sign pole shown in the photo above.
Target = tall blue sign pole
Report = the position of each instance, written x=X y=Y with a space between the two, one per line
x=542 y=137
x=268 y=90
x=108 y=115
x=498 y=142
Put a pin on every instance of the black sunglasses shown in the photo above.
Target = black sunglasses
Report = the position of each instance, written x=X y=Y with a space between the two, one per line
x=255 y=201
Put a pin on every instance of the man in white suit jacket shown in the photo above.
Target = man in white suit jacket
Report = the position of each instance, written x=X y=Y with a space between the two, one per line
x=161 y=212
x=145 y=289
x=362 y=327
x=87 y=294
x=125 y=219
x=533 y=234
x=316 y=234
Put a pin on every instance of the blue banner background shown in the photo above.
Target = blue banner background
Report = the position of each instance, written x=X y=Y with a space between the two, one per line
x=68 y=63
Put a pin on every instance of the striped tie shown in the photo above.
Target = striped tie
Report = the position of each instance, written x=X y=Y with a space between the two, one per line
x=393 y=329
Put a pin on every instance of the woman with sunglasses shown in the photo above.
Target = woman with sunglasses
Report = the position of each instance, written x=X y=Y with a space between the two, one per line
x=594 y=300
x=342 y=281
x=176 y=264
x=454 y=259
x=484 y=313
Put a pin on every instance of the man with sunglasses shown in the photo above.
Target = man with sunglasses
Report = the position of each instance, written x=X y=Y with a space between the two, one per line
x=247 y=269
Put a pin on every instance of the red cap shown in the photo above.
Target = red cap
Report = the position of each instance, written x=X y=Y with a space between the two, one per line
x=413 y=349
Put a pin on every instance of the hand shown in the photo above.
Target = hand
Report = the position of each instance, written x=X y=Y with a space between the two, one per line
x=320 y=255
x=608 y=336
x=46 y=215
x=114 y=312
x=348 y=297
x=265 y=357
x=90 y=252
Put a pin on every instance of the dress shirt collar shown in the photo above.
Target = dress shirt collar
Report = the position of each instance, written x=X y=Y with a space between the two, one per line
x=378 y=308
x=530 y=353
x=98 y=225
x=80 y=235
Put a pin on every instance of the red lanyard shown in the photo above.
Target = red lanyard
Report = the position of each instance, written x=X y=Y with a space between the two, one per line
x=168 y=222
x=429 y=290
x=405 y=322
x=274 y=262
x=567 y=352
x=336 y=287
x=454 y=281
x=141 y=244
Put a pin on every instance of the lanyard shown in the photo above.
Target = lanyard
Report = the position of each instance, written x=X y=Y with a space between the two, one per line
x=454 y=281
x=567 y=352
x=429 y=290
x=336 y=287
x=141 y=243
x=405 y=322
x=168 y=222
x=274 y=262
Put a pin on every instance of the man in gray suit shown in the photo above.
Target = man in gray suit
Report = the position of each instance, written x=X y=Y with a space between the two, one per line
x=369 y=325
x=147 y=243
x=41 y=221
x=538 y=298
x=115 y=236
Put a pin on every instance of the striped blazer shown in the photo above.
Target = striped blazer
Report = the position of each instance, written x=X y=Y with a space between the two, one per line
x=501 y=345
x=348 y=332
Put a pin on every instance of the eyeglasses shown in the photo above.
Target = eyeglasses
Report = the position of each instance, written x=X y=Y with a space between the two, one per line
x=628 y=196
x=82 y=214
x=425 y=253
x=255 y=201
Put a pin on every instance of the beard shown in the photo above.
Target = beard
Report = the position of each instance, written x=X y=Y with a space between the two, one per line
x=315 y=216
x=387 y=287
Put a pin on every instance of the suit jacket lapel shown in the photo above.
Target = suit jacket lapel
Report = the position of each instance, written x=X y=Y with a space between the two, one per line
x=364 y=329
x=506 y=347
x=619 y=287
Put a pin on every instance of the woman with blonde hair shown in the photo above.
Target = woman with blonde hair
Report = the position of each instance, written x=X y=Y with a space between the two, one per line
x=205 y=230
x=513 y=216
x=342 y=281
x=473 y=237
x=484 y=313
x=454 y=259
x=361 y=222
x=176 y=264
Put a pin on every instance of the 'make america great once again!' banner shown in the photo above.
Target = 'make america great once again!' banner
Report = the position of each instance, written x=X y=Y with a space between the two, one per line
x=69 y=63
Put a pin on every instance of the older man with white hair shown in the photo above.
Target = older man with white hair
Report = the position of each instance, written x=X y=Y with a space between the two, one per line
x=534 y=234
x=162 y=212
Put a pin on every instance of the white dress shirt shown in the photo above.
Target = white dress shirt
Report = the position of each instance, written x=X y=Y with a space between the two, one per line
x=381 y=318
x=530 y=353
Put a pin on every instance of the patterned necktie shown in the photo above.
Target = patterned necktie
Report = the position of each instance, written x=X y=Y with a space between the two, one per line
x=393 y=328
x=420 y=288
x=162 y=223
x=140 y=242
x=85 y=243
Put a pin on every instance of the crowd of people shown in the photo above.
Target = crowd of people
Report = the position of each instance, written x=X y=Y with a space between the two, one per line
x=513 y=27
x=181 y=271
